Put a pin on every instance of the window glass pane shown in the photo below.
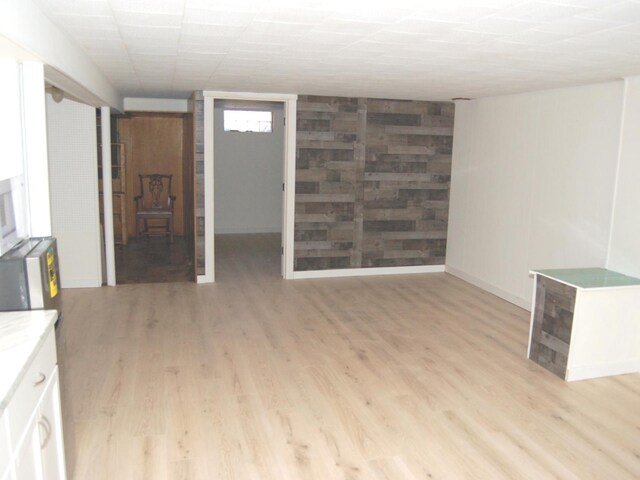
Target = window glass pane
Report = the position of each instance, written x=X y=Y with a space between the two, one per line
x=247 y=121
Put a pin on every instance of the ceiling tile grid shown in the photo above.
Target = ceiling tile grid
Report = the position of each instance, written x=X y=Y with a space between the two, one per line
x=417 y=49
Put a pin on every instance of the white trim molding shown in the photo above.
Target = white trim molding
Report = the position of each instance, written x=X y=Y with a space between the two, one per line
x=209 y=237
x=107 y=197
x=136 y=104
x=363 y=272
x=584 y=372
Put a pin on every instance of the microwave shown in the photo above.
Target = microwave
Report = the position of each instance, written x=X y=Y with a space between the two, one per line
x=12 y=229
x=30 y=276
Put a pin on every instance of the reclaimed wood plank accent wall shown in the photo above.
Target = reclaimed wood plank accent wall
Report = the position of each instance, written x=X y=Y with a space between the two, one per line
x=372 y=182
x=198 y=158
x=552 y=325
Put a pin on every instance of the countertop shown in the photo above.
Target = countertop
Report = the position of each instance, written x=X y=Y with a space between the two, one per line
x=21 y=336
x=589 y=278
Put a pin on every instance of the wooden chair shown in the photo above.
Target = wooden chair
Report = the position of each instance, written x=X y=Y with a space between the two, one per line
x=154 y=206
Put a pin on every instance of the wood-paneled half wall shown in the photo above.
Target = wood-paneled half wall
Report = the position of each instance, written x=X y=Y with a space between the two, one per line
x=372 y=182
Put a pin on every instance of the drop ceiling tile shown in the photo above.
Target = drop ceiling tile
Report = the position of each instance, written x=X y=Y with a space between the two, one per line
x=144 y=34
x=172 y=7
x=213 y=31
x=88 y=36
x=321 y=39
x=631 y=28
x=534 y=38
x=337 y=25
x=619 y=12
x=450 y=12
x=497 y=26
x=195 y=46
x=97 y=22
x=195 y=58
x=217 y=17
x=463 y=37
x=276 y=30
x=74 y=7
x=115 y=51
x=410 y=49
x=160 y=51
x=146 y=19
x=576 y=26
x=541 y=11
x=286 y=16
x=421 y=26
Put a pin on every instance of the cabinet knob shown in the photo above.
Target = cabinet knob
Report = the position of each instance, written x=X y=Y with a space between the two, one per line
x=41 y=378
x=46 y=426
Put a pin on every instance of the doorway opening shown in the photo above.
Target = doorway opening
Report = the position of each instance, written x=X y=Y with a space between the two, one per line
x=249 y=149
x=152 y=250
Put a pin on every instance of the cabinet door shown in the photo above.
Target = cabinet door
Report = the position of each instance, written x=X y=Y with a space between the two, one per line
x=50 y=432
x=28 y=460
x=5 y=453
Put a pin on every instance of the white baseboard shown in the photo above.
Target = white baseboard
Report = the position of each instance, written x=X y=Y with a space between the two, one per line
x=596 y=371
x=247 y=230
x=82 y=283
x=498 y=292
x=204 y=279
x=361 y=272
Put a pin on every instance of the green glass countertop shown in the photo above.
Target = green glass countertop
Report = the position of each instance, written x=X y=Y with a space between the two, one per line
x=589 y=277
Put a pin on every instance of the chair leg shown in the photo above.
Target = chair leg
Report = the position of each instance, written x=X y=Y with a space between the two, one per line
x=171 y=228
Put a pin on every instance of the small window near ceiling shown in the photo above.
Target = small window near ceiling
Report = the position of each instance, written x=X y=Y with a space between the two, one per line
x=258 y=121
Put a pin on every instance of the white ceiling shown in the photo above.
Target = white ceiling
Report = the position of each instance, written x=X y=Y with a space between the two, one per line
x=379 y=48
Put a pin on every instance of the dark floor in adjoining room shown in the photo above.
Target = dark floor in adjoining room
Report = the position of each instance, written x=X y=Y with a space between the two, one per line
x=155 y=260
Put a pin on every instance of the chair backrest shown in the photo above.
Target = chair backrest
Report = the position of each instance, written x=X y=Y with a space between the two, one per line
x=155 y=190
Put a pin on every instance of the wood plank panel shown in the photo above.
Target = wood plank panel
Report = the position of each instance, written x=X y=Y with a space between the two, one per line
x=394 y=158
x=197 y=100
x=154 y=144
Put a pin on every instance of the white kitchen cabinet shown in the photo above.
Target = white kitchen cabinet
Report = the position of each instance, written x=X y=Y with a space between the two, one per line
x=41 y=453
x=27 y=456
x=30 y=416
x=5 y=455
x=50 y=432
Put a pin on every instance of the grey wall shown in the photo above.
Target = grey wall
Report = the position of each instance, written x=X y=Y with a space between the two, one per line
x=248 y=177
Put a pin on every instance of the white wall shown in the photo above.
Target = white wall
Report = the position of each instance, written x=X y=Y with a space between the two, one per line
x=624 y=249
x=73 y=160
x=34 y=126
x=11 y=164
x=24 y=144
x=248 y=177
x=532 y=185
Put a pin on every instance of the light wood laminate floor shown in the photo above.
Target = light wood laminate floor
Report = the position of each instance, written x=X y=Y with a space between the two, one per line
x=395 y=377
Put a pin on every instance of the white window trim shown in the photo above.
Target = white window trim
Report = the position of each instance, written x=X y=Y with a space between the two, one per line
x=249 y=121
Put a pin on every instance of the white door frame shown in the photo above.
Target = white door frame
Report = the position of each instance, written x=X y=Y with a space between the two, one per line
x=289 y=172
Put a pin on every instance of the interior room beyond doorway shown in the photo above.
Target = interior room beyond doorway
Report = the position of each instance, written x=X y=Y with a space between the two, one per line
x=248 y=179
x=156 y=143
